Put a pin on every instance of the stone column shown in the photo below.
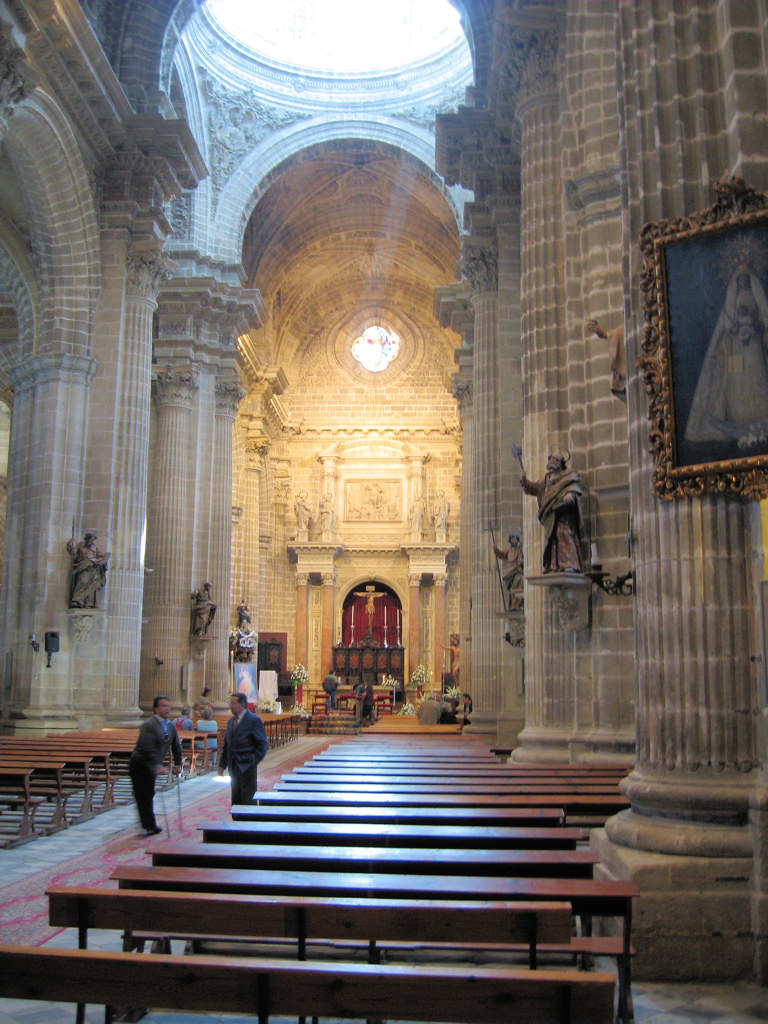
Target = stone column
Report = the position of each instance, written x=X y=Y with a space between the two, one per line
x=480 y=268
x=414 y=616
x=686 y=838
x=551 y=664
x=302 y=596
x=145 y=271
x=326 y=637
x=439 y=656
x=166 y=601
x=228 y=395
x=256 y=450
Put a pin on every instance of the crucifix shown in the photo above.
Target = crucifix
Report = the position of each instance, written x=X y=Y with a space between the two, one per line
x=370 y=594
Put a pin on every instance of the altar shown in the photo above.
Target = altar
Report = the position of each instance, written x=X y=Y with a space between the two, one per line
x=368 y=663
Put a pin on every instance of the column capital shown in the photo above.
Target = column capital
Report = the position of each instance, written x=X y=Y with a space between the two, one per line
x=256 y=450
x=175 y=387
x=229 y=394
x=440 y=579
x=461 y=389
x=146 y=270
x=302 y=579
x=480 y=266
x=414 y=579
x=329 y=579
x=530 y=70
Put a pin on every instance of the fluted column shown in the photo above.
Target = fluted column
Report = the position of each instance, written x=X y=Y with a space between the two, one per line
x=414 y=621
x=228 y=395
x=438 y=659
x=166 y=603
x=480 y=267
x=302 y=641
x=686 y=839
x=551 y=665
x=326 y=638
x=256 y=450
x=145 y=271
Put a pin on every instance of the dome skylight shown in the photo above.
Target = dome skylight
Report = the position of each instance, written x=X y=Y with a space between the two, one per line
x=342 y=36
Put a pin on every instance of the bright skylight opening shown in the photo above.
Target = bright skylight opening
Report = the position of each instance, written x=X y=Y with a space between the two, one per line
x=342 y=36
x=375 y=349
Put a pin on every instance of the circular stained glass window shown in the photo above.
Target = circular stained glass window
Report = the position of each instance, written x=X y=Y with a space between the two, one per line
x=375 y=349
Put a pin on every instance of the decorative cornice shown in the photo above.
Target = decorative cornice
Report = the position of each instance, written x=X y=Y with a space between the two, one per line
x=461 y=389
x=15 y=80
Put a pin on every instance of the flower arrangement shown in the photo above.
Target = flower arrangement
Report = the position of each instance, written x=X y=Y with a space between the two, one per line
x=299 y=709
x=452 y=693
x=389 y=681
x=268 y=705
x=419 y=677
x=407 y=709
x=299 y=674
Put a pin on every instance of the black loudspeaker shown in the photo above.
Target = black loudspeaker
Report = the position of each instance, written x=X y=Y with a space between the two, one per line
x=51 y=643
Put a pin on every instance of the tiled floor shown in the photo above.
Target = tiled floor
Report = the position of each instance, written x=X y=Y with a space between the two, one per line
x=734 y=1003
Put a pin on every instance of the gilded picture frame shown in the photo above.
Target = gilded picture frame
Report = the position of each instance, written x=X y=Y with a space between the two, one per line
x=704 y=356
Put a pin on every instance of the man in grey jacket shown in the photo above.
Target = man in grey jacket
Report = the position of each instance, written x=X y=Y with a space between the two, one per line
x=156 y=737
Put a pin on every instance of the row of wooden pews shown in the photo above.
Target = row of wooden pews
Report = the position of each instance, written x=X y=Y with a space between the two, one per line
x=50 y=782
x=400 y=882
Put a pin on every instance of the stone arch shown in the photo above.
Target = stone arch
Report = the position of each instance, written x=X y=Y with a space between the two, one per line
x=240 y=196
x=17 y=281
x=62 y=224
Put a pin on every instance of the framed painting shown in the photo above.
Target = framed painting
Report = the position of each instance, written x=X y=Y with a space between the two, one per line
x=705 y=346
x=245 y=679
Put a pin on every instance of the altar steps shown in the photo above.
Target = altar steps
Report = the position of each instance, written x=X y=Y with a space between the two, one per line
x=333 y=723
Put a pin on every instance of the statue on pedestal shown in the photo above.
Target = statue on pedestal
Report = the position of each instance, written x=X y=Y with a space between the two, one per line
x=88 y=571
x=203 y=610
x=558 y=498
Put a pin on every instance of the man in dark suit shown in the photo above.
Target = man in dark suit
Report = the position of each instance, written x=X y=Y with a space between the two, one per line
x=156 y=736
x=245 y=744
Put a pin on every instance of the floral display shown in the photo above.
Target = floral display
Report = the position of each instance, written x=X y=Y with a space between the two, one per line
x=299 y=674
x=419 y=677
x=407 y=709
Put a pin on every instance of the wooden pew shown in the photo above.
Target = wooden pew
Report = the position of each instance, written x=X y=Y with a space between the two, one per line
x=274 y=987
x=394 y=815
x=450 y=782
x=18 y=817
x=457 y=837
x=243 y=916
x=589 y=897
x=377 y=859
x=55 y=781
x=597 y=807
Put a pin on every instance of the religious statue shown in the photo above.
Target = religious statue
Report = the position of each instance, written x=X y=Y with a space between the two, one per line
x=558 y=499
x=326 y=513
x=731 y=397
x=203 y=610
x=88 y=571
x=370 y=594
x=513 y=572
x=243 y=614
x=416 y=515
x=440 y=511
x=301 y=511
x=615 y=339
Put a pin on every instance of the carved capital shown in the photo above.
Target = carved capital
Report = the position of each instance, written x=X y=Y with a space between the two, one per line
x=480 y=267
x=530 y=71
x=146 y=272
x=329 y=579
x=175 y=387
x=461 y=389
x=256 y=450
x=229 y=394
x=414 y=579
x=302 y=579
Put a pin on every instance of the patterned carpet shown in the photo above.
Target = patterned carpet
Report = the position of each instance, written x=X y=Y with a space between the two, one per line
x=24 y=909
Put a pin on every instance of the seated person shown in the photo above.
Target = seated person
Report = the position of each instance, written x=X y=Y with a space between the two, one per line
x=429 y=712
x=448 y=710
x=184 y=722
x=467 y=707
x=208 y=724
